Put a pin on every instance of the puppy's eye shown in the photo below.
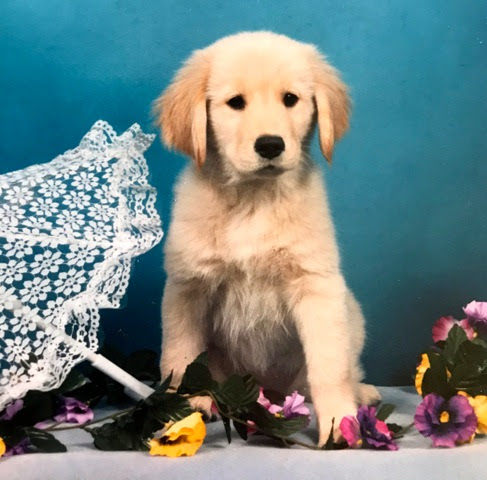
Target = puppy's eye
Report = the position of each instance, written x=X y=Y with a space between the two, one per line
x=290 y=99
x=237 y=102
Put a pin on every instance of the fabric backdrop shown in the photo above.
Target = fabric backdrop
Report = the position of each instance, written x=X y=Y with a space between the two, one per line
x=408 y=184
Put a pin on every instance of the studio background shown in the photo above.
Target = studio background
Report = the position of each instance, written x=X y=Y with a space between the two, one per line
x=408 y=187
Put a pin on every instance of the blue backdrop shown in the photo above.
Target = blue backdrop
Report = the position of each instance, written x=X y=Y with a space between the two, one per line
x=408 y=187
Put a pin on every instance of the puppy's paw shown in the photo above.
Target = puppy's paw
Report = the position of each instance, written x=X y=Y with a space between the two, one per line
x=203 y=405
x=325 y=423
x=368 y=394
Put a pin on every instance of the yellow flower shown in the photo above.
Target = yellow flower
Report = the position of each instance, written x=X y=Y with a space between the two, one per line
x=420 y=371
x=479 y=405
x=3 y=448
x=182 y=438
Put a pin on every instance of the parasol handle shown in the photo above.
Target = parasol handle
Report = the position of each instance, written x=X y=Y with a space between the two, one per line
x=133 y=387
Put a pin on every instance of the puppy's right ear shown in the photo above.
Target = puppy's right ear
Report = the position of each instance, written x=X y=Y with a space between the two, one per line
x=181 y=110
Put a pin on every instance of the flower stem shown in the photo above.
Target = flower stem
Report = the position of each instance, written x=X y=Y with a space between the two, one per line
x=93 y=422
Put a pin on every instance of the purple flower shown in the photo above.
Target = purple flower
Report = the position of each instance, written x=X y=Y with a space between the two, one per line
x=366 y=430
x=293 y=405
x=447 y=422
x=477 y=315
x=69 y=410
x=11 y=409
x=73 y=411
x=443 y=325
x=19 y=449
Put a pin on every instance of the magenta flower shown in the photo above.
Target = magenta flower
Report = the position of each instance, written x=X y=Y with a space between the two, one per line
x=443 y=325
x=477 y=315
x=11 y=409
x=350 y=429
x=446 y=422
x=367 y=431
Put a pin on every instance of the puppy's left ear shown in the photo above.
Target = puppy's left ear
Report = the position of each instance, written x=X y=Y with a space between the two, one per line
x=332 y=103
x=181 y=110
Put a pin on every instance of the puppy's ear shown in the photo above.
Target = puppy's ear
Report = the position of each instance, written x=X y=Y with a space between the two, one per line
x=181 y=110
x=332 y=103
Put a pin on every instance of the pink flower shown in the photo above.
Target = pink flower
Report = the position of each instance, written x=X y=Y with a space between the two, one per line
x=367 y=430
x=350 y=429
x=263 y=400
x=477 y=315
x=443 y=325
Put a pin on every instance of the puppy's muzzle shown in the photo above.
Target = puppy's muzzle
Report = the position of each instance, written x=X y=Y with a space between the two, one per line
x=269 y=146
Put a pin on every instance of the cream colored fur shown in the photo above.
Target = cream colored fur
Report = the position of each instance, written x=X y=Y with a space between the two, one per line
x=252 y=262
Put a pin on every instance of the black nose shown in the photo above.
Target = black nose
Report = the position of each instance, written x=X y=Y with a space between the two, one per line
x=269 y=146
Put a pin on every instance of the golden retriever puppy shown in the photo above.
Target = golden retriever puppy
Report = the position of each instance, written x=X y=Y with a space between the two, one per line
x=251 y=258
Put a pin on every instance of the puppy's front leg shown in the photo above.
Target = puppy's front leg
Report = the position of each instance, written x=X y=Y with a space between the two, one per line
x=320 y=314
x=184 y=329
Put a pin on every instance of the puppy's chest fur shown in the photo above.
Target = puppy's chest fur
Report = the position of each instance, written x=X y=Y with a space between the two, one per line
x=244 y=267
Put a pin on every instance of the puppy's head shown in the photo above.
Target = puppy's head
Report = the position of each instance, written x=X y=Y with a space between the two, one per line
x=258 y=93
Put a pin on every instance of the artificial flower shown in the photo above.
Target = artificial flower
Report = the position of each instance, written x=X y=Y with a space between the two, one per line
x=181 y=438
x=447 y=422
x=264 y=401
x=420 y=371
x=479 y=405
x=293 y=405
x=11 y=409
x=477 y=315
x=18 y=449
x=350 y=428
x=443 y=325
x=71 y=410
x=367 y=430
x=3 y=447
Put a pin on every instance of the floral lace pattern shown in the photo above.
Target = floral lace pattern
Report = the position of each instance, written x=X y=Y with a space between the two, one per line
x=68 y=232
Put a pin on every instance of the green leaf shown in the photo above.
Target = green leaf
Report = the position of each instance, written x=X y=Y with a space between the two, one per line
x=435 y=378
x=73 y=381
x=196 y=378
x=456 y=337
x=242 y=430
x=112 y=436
x=394 y=427
x=170 y=406
x=228 y=428
x=44 y=441
x=385 y=411
x=10 y=433
x=330 y=442
x=275 y=426
x=231 y=392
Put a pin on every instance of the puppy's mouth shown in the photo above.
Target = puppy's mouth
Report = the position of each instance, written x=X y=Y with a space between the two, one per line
x=270 y=171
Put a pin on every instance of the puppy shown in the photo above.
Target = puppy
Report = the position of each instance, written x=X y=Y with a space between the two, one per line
x=253 y=270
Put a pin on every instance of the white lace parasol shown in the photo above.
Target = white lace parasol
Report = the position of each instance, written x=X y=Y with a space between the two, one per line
x=68 y=232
